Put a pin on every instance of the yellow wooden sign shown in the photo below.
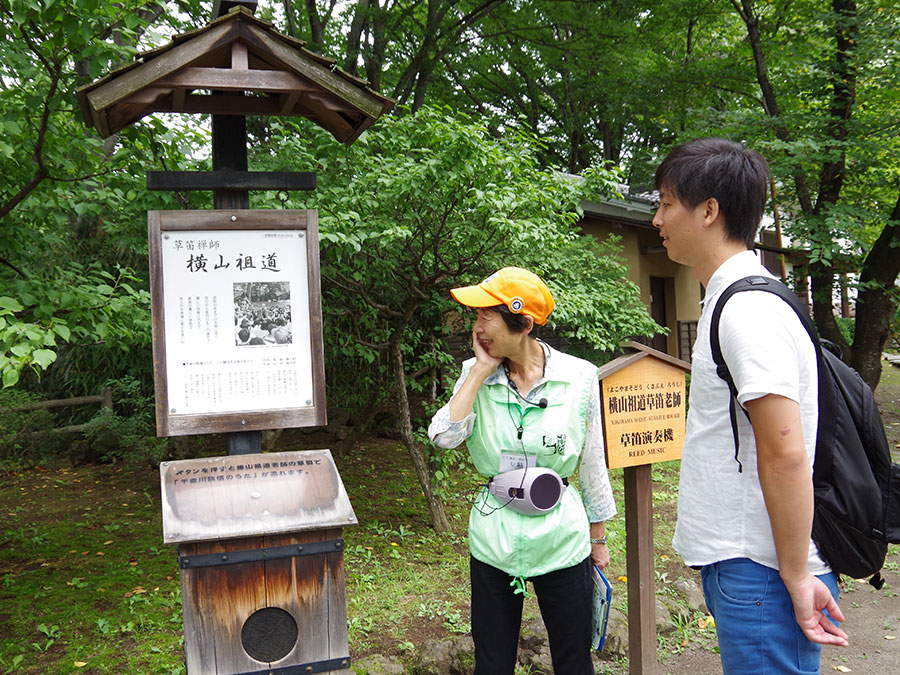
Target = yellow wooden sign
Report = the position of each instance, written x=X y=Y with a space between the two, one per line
x=644 y=410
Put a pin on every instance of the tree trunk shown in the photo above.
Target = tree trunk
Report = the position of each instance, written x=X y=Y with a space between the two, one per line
x=877 y=301
x=420 y=462
x=291 y=16
x=363 y=423
x=364 y=419
x=354 y=37
x=874 y=311
x=374 y=57
x=822 y=278
x=316 y=26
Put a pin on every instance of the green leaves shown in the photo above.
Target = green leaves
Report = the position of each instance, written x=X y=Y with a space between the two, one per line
x=9 y=305
x=87 y=311
x=427 y=201
x=43 y=358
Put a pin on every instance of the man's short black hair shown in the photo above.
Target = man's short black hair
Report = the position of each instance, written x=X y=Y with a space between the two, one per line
x=731 y=173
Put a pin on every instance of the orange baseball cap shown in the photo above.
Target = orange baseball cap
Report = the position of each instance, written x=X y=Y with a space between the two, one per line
x=522 y=292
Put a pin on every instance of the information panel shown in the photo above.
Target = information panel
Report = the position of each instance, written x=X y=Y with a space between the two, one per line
x=252 y=495
x=237 y=319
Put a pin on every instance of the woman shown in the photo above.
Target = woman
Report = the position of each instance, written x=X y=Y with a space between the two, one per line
x=520 y=403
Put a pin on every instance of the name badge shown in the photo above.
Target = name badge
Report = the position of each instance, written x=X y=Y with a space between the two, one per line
x=511 y=461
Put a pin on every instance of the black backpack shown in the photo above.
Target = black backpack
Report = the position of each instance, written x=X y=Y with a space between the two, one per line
x=856 y=486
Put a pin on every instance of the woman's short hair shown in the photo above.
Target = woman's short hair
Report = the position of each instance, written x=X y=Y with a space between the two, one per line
x=731 y=173
x=516 y=323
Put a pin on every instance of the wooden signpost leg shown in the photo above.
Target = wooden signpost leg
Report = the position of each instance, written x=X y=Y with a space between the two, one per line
x=640 y=559
x=229 y=151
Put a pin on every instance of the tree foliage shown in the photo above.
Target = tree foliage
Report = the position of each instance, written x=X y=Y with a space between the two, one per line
x=426 y=202
x=73 y=207
x=823 y=109
x=813 y=84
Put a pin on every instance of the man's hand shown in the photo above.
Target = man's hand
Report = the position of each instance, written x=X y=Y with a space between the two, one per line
x=811 y=598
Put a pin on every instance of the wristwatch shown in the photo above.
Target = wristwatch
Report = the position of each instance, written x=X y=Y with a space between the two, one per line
x=598 y=540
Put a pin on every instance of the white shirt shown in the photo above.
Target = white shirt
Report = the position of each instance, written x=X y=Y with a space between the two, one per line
x=721 y=511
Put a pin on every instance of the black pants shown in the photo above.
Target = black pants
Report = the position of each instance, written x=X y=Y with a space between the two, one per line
x=564 y=597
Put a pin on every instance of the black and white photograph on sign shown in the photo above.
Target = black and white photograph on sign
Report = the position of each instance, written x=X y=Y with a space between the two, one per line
x=262 y=313
x=236 y=307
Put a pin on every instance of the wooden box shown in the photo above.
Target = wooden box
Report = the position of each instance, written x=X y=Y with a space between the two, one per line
x=260 y=550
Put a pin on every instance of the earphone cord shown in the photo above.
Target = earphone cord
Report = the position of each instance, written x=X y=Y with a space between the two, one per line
x=479 y=489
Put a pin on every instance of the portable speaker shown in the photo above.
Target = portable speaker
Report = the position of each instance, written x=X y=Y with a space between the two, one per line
x=531 y=491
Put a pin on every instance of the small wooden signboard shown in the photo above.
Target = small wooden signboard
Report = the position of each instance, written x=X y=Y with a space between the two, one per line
x=642 y=395
x=644 y=407
x=260 y=549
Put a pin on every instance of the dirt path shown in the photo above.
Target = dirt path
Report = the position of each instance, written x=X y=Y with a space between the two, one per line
x=873 y=623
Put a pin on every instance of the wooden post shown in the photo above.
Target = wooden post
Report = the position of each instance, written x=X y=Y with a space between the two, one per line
x=643 y=398
x=639 y=565
x=107 y=399
x=229 y=153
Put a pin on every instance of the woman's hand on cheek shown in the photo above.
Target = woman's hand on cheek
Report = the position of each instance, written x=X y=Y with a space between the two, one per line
x=481 y=354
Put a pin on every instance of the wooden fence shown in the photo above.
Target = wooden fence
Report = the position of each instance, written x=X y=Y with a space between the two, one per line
x=104 y=398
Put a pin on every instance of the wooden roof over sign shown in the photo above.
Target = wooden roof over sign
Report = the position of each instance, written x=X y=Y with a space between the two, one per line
x=635 y=352
x=253 y=70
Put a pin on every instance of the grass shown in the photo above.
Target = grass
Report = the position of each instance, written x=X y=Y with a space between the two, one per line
x=86 y=585
x=84 y=577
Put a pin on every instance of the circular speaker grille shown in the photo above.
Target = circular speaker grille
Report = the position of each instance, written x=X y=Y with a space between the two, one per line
x=269 y=634
x=545 y=492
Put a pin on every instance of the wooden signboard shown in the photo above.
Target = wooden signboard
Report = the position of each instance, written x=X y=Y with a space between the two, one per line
x=226 y=497
x=644 y=410
x=643 y=400
x=237 y=321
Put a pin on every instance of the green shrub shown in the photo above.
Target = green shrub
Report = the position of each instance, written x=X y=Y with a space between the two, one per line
x=20 y=440
x=127 y=432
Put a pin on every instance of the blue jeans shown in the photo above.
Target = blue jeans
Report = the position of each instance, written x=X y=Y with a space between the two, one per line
x=758 y=634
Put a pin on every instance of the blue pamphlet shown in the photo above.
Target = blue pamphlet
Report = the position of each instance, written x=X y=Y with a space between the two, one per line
x=602 y=596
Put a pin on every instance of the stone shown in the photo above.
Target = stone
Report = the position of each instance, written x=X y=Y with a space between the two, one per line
x=537 y=662
x=616 y=644
x=376 y=664
x=680 y=613
x=664 y=625
x=447 y=657
x=533 y=636
x=692 y=593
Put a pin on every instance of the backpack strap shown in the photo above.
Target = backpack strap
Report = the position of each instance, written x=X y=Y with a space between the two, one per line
x=752 y=283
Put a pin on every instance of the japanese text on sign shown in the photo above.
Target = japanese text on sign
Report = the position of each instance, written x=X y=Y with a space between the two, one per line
x=643 y=413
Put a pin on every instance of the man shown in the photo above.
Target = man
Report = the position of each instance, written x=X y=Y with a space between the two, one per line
x=746 y=520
